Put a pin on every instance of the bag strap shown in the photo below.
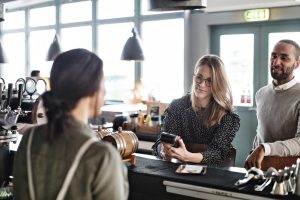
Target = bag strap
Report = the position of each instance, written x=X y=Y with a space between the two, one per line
x=70 y=173
x=73 y=168
x=29 y=169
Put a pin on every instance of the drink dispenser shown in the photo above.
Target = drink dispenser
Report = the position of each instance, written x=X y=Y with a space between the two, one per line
x=8 y=130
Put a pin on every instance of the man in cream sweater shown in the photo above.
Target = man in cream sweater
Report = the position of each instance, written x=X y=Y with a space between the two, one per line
x=278 y=108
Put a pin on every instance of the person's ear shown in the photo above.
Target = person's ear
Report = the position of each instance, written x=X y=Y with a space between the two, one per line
x=92 y=100
x=297 y=64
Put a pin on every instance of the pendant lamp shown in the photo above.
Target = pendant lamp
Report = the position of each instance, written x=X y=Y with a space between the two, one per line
x=171 y=5
x=54 y=49
x=133 y=49
x=1 y=12
x=3 y=58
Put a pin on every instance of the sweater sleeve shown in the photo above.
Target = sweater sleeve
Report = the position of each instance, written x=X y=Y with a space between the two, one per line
x=219 y=148
x=288 y=147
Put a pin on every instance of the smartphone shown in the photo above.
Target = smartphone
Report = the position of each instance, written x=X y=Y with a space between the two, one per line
x=169 y=138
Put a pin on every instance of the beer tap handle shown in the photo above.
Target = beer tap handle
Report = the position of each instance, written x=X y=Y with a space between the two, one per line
x=9 y=94
x=20 y=91
x=297 y=177
x=1 y=87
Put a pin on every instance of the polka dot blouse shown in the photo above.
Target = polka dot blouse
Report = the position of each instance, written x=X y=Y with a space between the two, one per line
x=181 y=119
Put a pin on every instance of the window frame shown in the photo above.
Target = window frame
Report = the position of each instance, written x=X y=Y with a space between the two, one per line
x=137 y=19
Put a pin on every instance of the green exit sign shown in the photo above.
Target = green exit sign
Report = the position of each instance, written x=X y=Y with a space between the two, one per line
x=257 y=15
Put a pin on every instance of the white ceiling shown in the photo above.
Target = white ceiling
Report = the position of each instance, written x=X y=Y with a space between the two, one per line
x=212 y=5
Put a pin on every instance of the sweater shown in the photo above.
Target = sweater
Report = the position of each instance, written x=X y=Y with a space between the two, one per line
x=278 y=120
x=101 y=173
x=181 y=119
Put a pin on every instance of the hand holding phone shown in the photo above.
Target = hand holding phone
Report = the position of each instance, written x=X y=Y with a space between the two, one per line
x=170 y=139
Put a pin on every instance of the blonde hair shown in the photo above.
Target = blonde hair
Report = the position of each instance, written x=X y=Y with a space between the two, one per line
x=220 y=88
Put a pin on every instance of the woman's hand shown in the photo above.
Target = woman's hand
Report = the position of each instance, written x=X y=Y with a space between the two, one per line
x=181 y=153
x=164 y=152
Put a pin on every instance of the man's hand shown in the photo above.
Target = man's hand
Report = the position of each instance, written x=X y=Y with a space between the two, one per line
x=255 y=158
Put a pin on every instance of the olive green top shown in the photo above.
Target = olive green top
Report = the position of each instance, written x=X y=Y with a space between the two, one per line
x=101 y=173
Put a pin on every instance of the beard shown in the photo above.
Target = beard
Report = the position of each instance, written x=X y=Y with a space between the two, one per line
x=283 y=75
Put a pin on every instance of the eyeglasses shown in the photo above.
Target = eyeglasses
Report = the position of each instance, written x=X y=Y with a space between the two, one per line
x=200 y=79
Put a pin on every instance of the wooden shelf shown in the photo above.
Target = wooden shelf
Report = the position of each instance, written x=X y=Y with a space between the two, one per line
x=147 y=133
x=153 y=130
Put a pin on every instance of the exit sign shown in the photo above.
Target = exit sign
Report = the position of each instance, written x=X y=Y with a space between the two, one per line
x=257 y=15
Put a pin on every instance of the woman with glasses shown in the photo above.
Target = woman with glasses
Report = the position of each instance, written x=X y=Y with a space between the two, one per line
x=205 y=116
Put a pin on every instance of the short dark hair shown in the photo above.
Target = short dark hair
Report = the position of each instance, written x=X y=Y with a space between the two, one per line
x=75 y=74
x=292 y=42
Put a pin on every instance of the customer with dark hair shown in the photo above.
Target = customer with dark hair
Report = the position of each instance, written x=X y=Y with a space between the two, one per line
x=203 y=117
x=60 y=159
x=278 y=107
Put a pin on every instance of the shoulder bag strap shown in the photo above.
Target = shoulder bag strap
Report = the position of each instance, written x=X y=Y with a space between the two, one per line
x=29 y=169
x=70 y=173
x=73 y=168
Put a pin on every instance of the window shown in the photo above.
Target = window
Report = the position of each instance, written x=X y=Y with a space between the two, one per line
x=115 y=8
x=76 y=12
x=239 y=66
x=42 y=16
x=76 y=37
x=119 y=75
x=113 y=24
x=14 y=20
x=39 y=44
x=14 y=47
x=163 y=48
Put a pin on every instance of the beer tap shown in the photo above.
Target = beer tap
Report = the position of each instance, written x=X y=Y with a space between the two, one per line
x=288 y=179
x=1 y=87
x=20 y=91
x=9 y=94
x=8 y=129
x=297 y=175
x=279 y=185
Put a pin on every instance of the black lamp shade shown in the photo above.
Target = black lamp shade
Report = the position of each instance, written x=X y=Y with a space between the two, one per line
x=133 y=49
x=1 y=12
x=3 y=58
x=54 y=49
x=169 y=5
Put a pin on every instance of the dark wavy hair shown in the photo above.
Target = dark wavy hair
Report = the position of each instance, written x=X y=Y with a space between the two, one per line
x=75 y=74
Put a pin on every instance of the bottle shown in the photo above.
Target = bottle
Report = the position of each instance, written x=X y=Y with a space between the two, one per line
x=140 y=118
x=134 y=119
x=148 y=119
x=249 y=97
x=243 y=97
x=154 y=121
